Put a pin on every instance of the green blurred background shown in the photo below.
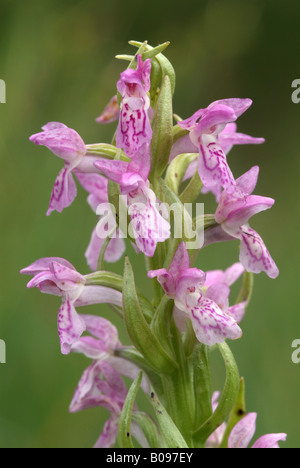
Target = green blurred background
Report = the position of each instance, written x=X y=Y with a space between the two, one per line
x=57 y=58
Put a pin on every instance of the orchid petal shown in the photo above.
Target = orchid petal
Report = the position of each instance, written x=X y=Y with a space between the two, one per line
x=181 y=146
x=108 y=436
x=180 y=262
x=239 y=106
x=165 y=279
x=92 y=294
x=213 y=121
x=213 y=168
x=64 y=191
x=64 y=142
x=70 y=326
x=134 y=129
x=111 y=112
x=233 y=273
x=247 y=182
x=254 y=255
x=219 y=293
x=243 y=432
x=113 y=170
x=114 y=251
x=211 y=325
x=269 y=441
x=237 y=311
x=43 y=264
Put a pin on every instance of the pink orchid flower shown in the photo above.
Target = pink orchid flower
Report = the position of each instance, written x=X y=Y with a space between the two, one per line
x=148 y=226
x=134 y=129
x=242 y=433
x=212 y=133
x=67 y=144
x=203 y=306
x=101 y=385
x=233 y=214
x=58 y=277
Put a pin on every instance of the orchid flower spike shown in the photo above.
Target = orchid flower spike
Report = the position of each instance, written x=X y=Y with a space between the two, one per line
x=203 y=307
x=212 y=133
x=134 y=128
x=58 y=277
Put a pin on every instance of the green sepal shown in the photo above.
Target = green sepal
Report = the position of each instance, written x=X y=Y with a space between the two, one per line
x=170 y=432
x=177 y=169
x=107 y=151
x=124 y=439
x=227 y=399
x=149 y=428
x=162 y=125
x=238 y=413
x=138 y=329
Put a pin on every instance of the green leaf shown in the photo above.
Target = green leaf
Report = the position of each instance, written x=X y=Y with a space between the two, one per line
x=124 y=439
x=138 y=329
x=162 y=125
x=149 y=428
x=168 y=429
x=227 y=399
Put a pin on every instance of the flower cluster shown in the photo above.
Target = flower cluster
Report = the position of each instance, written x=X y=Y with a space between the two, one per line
x=191 y=311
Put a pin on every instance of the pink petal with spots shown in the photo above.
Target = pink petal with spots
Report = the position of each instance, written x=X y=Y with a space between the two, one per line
x=254 y=255
x=64 y=192
x=213 y=168
x=70 y=326
x=211 y=325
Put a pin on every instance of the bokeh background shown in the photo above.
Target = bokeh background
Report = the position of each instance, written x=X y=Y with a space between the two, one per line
x=57 y=59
